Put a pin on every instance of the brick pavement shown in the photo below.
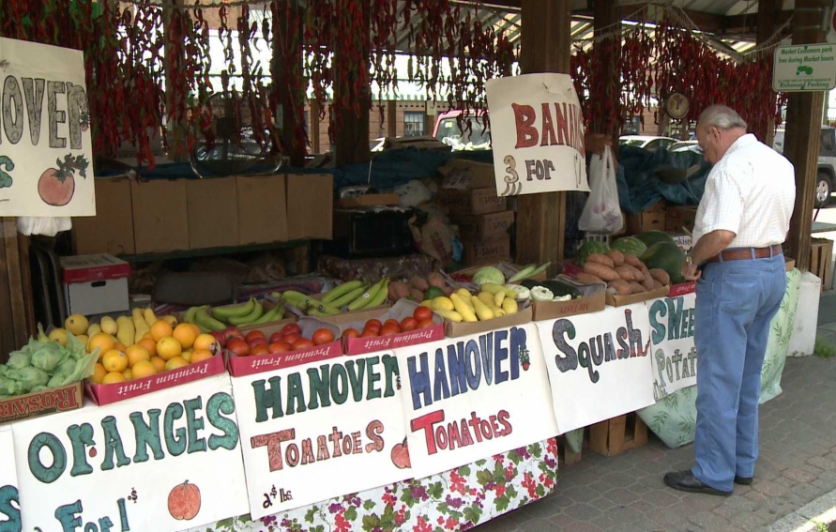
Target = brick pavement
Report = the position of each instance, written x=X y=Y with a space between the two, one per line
x=626 y=493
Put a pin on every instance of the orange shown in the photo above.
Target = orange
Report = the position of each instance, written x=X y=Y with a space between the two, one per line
x=144 y=369
x=103 y=341
x=137 y=353
x=161 y=329
x=185 y=334
x=128 y=374
x=150 y=345
x=187 y=355
x=168 y=347
x=113 y=377
x=119 y=346
x=175 y=363
x=158 y=363
x=207 y=342
x=98 y=373
x=200 y=355
x=115 y=361
x=147 y=336
x=196 y=327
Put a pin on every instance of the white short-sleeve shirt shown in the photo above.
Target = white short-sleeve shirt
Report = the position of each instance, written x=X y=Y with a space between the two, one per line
x=750 y=192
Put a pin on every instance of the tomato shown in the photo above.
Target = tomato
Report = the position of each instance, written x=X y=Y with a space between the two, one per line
x=276 y=337
x=252 y=335
x=368 y=333
x=351 y=333
x=425 y=324
x=302 y=343
x=323 y=336
x=392 y=323
x=291 y=338
x=260 y=349
x=409 y=324
x=374 y=324
x=291 y=328
x=239 y=347
x=257 y=341
x=279 y=347
x=389 y=330
x=423 y=313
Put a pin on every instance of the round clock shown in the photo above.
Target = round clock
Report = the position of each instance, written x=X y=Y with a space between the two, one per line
x=677 y=105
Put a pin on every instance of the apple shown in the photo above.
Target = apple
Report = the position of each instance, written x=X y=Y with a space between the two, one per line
x=220 y=337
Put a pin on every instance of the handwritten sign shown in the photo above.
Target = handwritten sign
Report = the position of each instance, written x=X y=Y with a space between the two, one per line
x=538 y=134
x=599 y=365
x=470 y=398
x=167 y=462
x=10 y=518
x=45 y=146
x=321 y=429
x=804 y=68
x=672 y=339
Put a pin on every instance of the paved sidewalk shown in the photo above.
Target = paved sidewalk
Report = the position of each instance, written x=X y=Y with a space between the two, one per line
x=626 y=493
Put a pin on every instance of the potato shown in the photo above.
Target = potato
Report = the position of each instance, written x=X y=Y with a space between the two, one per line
x=398 y=290
x=448 y=290
x=588 y=278
x=600 y=259
x=599 y=270
x=616 y=256
x=622 y=288
x=636 y=288
x=661 y=276
x=626 y=273
x=416 y=295
x=419 y=284
x=632 y=261
x=435 y=279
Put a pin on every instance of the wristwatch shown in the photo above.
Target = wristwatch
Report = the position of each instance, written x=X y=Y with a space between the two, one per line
x=689 y=260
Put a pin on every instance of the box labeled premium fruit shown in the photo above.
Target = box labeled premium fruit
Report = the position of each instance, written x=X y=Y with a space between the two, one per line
x=400 y=311
x=105 y=394
x=36 y=404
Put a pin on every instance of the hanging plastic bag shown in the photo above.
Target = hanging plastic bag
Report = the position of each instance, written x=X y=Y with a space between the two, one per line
x=602 y=212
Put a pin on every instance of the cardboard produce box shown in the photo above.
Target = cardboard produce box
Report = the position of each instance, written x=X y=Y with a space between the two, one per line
x=213 y=212
x=36 y=404
x=484 y=226
x=95 y=284
x=310 y=206
x=593 y=300
x=112 y=229
x=680 y=219
x=402 y=309
x=457 y=330
x=646 y=221
x=160 y=214
x=262 y=209
x=487 y=251
x=472 y=201
x=369 y=200
x=464 y=174
x=621 y=301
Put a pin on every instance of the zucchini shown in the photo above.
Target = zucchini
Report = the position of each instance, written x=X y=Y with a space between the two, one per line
x=559 y=289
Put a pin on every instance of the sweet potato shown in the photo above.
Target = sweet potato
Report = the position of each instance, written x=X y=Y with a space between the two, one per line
x=621 y=287
x=416 y=295
x=616 y=256
x=588 y=278
x=419 y=284
x=398 y=290
x=626 y=273
x=636 y=288
x=661 y=276
x=638 y=276
x=435 y=279
x=648 y=283
x=599 y=270
x=632 y=261
x=600 y=259
x=657 y=284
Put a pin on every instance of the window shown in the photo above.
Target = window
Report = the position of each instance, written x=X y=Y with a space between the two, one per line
x=413 y=123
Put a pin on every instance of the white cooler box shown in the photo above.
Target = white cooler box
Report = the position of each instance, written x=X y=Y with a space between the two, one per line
x=95 y=284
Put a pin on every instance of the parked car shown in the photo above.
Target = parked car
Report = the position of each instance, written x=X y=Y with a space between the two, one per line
x=826 y=176
x=686 y=145
x=447 y=130
x=648 y=143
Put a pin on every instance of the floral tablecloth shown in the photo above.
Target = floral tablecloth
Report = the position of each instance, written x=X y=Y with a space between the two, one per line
x=459 y=499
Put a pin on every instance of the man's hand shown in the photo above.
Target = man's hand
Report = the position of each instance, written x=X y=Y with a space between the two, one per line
x=690 y=271
x=596 y=142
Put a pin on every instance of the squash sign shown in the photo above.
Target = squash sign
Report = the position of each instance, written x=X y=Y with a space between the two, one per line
x=45 y=144
x=537 y=131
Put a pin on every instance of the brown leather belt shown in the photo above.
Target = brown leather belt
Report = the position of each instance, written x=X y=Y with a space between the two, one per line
x=747 y=253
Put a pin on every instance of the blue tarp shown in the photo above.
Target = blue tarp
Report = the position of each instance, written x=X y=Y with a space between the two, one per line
x=639 y=188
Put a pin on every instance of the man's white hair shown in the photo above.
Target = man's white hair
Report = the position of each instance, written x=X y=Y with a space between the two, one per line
x=722 y=117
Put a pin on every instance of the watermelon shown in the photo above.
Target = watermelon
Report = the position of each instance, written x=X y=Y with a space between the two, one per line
x=665 y=256
x=652 y=237
x=587 y=249
x=630 y=246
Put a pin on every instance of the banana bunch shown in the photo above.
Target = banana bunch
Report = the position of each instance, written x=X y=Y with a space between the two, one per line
x=354 y=295
x=493 y=302
x=219 y=318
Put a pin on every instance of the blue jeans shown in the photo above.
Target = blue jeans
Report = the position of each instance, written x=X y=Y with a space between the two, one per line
x=736 y=301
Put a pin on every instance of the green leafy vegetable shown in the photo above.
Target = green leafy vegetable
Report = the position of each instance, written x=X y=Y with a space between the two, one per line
x=48 y=355
x=18 y=360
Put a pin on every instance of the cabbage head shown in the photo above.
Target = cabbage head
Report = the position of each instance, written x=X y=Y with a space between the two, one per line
x=48 y=356
x=4 y=369
x=37 y=389
x=56 y=381
x=31 y=377
x=18 y=360
x=65 y=368
x=10 y=387
x=489 y=274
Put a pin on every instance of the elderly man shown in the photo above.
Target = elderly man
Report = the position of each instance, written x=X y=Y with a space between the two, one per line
x=738 y=264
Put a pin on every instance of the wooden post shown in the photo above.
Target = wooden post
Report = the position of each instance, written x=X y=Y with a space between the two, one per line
x=285 y=65
x=313 y=126
x=392 y=118
x=546 y=47
x=606 y=21
x=352 y=139
x=766 y=27
x=17 y=320
x=803 y=133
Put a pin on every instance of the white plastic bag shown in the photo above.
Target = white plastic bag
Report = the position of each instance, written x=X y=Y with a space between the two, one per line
x=602 y=212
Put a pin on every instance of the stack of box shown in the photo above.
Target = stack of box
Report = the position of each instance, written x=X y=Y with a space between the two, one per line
x=469 y=195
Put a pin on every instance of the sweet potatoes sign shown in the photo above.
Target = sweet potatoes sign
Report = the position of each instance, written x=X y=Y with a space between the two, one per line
x=470 y=398
x=320 y=430
x=45 y=144
x=537 y=130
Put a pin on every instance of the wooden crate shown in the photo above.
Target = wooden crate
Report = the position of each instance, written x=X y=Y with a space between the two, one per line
x=616 y=435
x=821 y=261
x=565 y=456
